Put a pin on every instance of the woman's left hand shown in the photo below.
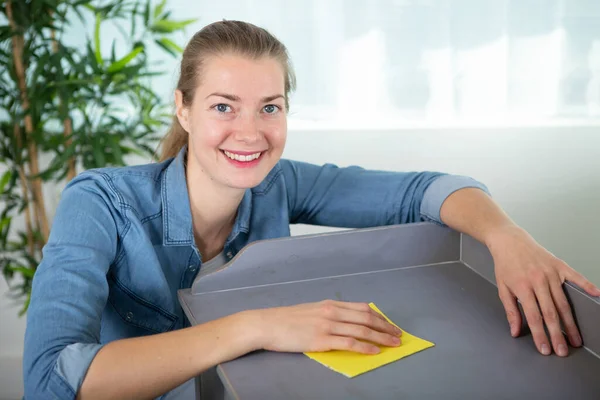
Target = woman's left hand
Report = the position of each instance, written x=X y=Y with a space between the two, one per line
x=527 y=272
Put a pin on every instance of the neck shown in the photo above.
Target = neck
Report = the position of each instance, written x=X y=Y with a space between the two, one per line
x=214 y=209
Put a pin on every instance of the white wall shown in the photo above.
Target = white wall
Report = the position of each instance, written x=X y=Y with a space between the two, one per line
x=548 y=179
x=12 y=329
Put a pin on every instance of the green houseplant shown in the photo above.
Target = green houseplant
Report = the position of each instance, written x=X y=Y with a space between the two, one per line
x=66 y=108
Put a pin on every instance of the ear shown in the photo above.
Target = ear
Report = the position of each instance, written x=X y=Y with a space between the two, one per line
x=181 y=111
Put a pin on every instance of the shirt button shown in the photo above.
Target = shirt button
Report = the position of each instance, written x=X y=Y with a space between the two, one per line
x=129 y=316
x=229 y=255
x=192 y=268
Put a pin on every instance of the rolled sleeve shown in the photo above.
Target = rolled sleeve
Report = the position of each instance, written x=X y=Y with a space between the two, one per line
x=74 y=361
x=439 y=190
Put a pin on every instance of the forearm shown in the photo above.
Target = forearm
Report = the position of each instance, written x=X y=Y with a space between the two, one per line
x=473 y=212
x=147 y=367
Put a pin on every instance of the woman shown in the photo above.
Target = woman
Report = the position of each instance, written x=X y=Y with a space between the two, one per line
x=104 y=320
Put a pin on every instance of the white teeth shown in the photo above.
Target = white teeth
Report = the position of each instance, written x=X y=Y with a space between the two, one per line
x=242 y=158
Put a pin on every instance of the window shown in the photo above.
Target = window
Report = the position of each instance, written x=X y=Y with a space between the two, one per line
x=396 y=63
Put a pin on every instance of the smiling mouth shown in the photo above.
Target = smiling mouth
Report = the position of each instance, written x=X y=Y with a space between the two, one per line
x=242 y=157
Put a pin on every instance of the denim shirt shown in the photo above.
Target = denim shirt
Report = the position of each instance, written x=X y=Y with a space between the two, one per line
x=122 y=245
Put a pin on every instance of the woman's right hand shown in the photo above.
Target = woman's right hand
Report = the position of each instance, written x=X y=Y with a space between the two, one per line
x=322 y=326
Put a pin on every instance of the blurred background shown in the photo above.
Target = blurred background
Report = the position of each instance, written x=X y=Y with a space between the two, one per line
x=505 y=91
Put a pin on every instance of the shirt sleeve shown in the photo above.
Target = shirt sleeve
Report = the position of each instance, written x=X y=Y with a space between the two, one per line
x=439 y=190
x=354 y=197
x=70 y=291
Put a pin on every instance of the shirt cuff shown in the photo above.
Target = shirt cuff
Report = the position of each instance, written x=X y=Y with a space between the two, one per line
x=439 y=190
x=73 y=363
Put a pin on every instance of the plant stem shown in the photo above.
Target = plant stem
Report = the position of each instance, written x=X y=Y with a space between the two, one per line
x=36 y=184
x=25 y=190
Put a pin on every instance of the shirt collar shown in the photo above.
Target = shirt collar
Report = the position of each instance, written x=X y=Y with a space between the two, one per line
x=177 y=216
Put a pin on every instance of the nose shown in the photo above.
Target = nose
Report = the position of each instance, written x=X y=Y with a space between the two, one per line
x=248 y=129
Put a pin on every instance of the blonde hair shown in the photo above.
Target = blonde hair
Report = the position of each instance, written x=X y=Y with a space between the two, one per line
x=216 y=39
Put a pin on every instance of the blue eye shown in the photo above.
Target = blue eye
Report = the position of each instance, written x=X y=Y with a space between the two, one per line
x=271 y=108
x=223 y=108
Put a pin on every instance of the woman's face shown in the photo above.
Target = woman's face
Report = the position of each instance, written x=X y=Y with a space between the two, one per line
x=237 y=120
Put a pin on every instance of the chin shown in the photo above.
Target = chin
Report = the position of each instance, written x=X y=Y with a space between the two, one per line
x=246 y=178
x=246 y=183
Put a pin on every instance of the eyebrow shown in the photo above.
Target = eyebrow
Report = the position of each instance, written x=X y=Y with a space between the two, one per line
x=233 y=97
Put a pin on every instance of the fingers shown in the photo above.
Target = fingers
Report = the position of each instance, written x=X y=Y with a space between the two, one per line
x=349 y=305
x=565 y=313
x=583 y=283
x=364 y=333
x=513 y=314
x=534 y=320
x=351 y=344
x=551 y=319
x=356 y=327
x=357 y=313
x=364 y=307
x=369 y=321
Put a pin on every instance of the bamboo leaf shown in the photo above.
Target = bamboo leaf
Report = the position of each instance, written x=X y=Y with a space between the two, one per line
x=58 y=163
x=91 y=7
x=133 y=150
x=174 y=49
x=25 y=304
x=165 y=48
x=147 y=13
x=5 y=223
x=8 y=274
x=116 y=149
x=91 y=59
x=84 y=3
x=119 y=65
x=159 y=8
x=113 y=56
x=97 y=39
x=166 y=26
x=32 y=261
x=134 y=14
x=81 y=17
x=151 y=122
x=53 y=8
x=5 y=32
x=26 y=272
x=98 y=155
x=13 y=246
x=4 y=180
x=147 y=74
x=73 y=82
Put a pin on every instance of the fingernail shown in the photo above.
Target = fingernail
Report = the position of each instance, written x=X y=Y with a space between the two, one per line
x=398 y=331
x=513 y=330
x=545 y=349
x=375 y=350
x=576 y=340
x=395 y=340
x=562 y=350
